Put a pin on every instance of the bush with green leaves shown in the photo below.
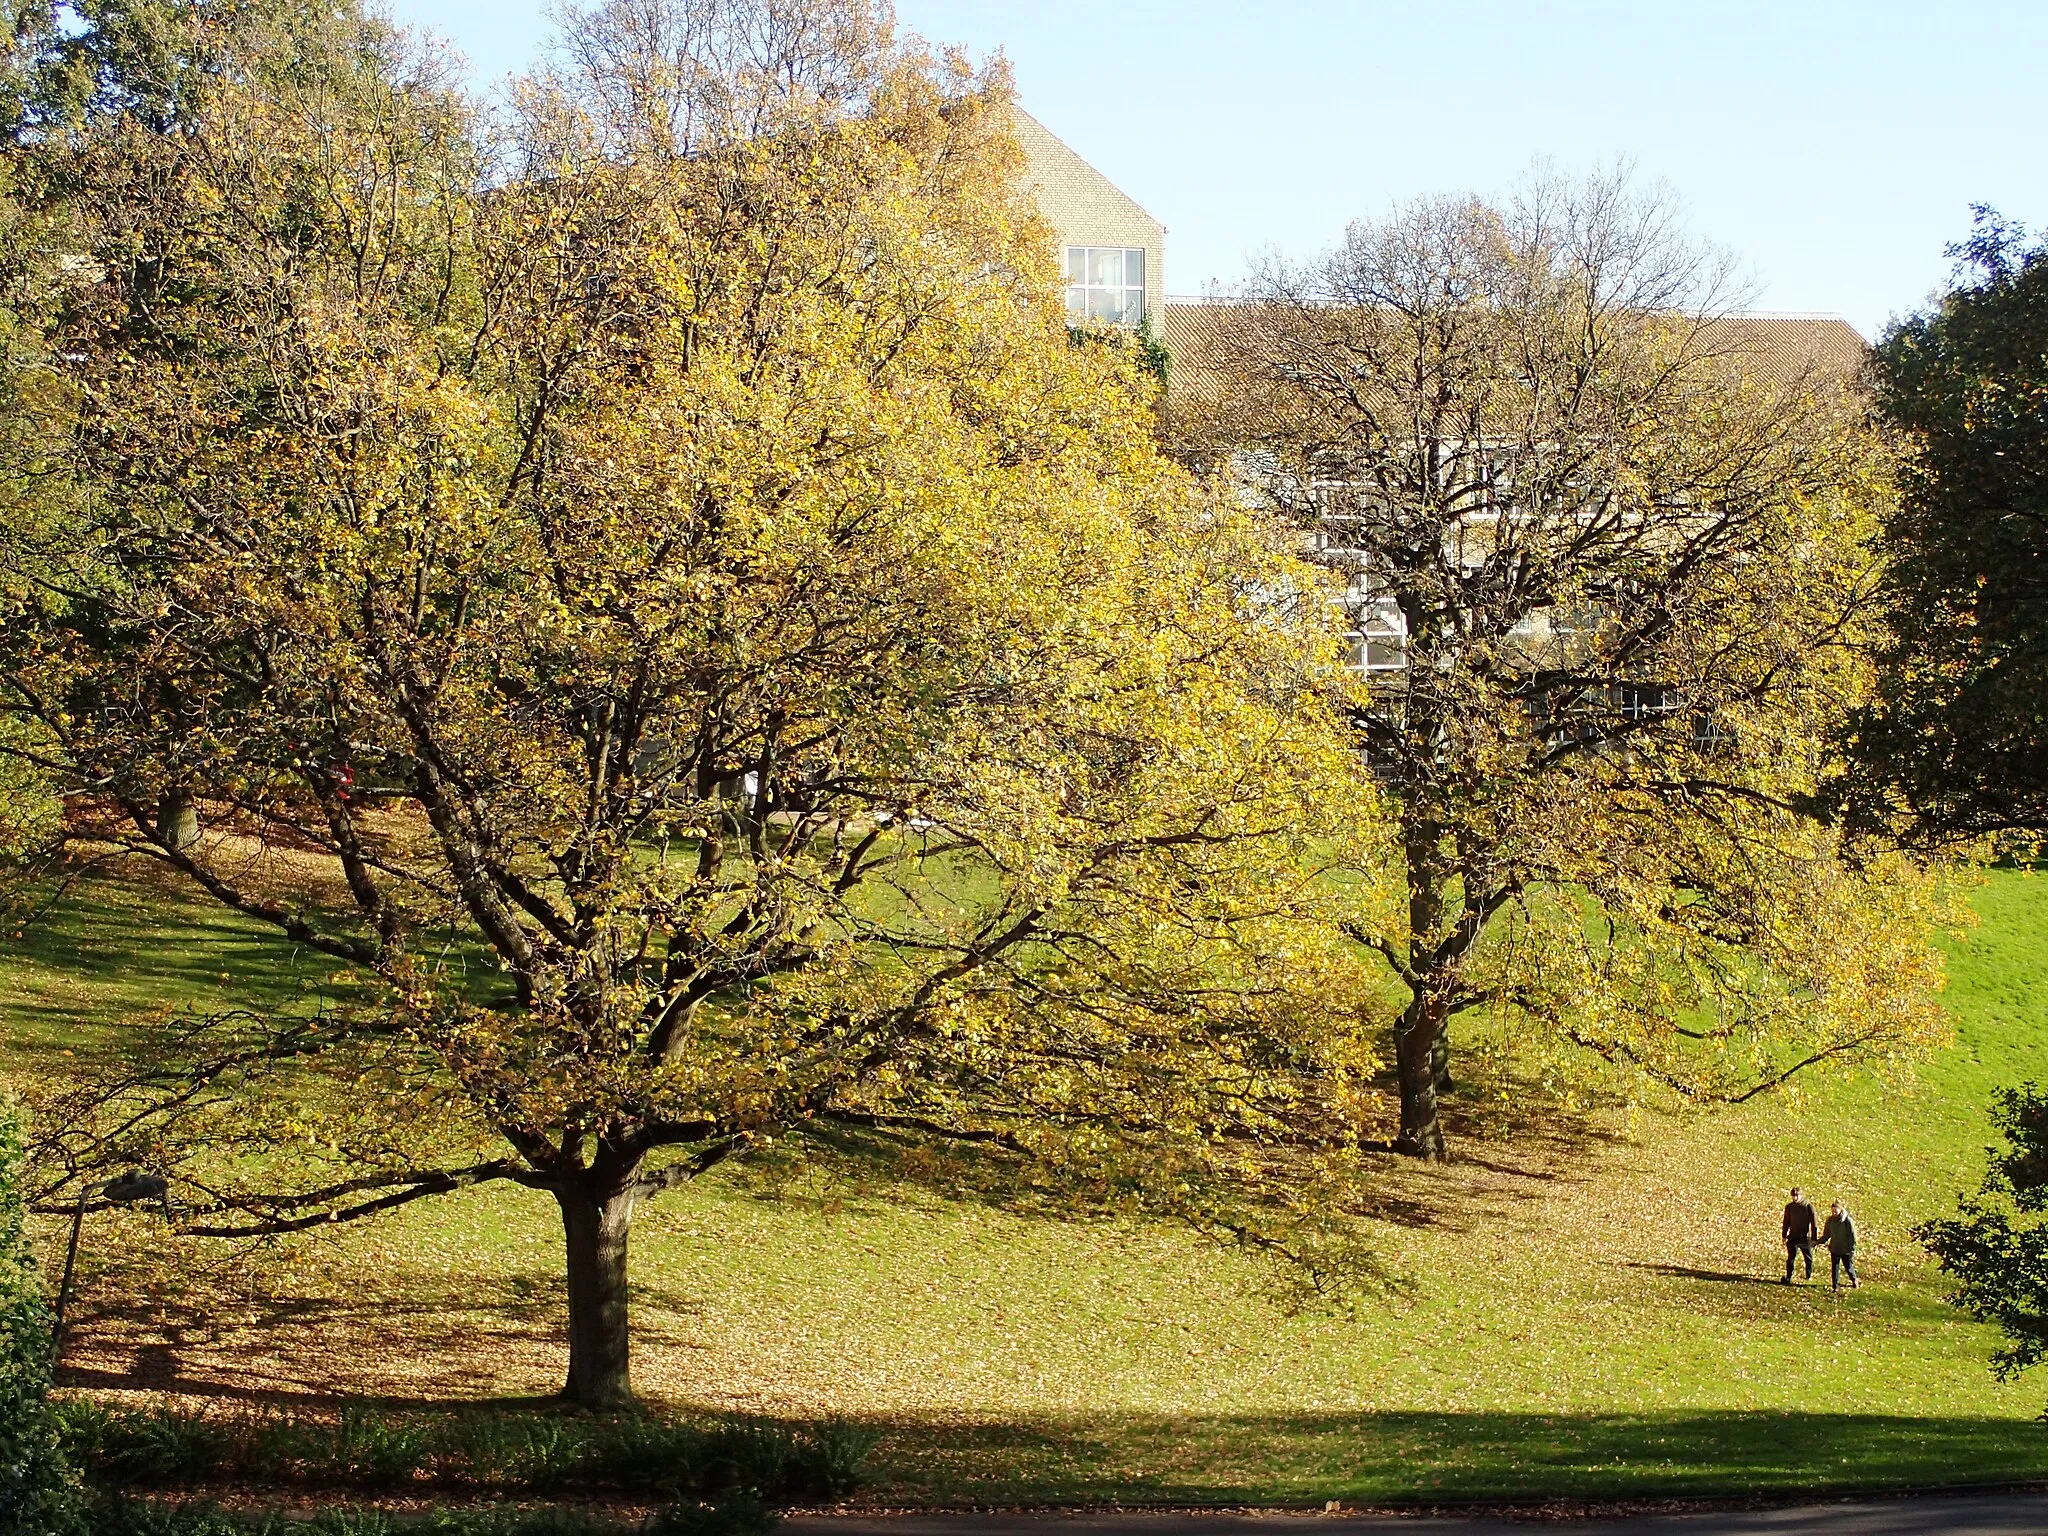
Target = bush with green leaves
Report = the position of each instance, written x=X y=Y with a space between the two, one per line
x=1995 y=1248
x=131 y=1517
x=38 y=1496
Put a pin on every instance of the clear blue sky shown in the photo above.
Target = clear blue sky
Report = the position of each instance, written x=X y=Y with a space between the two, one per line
x=1834 y=145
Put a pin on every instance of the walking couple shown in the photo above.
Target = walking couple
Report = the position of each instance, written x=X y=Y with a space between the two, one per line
x=1839 y=1234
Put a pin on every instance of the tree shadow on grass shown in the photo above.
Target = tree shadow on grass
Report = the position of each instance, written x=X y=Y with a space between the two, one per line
x=1685 y=1272
x=837 y=1169
x=1914 y=1301
x=472 y=1335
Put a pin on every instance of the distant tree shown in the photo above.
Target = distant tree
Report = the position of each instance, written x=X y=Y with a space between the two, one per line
x=1608 y=575
x=1955 y=745
x=674 y=553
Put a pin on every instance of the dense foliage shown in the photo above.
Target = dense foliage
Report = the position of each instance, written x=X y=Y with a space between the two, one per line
x=369 y=1448
x=37 y=1495
x=1956 y=744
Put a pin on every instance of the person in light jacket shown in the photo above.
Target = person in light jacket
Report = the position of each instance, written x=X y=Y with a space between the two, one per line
x=1840 y=1236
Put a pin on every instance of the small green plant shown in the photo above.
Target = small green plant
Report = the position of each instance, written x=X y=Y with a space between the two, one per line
x=840 y=1451
x=376 y=1448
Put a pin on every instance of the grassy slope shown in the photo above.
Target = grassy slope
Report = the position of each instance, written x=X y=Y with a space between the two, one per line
x=1590 y=1322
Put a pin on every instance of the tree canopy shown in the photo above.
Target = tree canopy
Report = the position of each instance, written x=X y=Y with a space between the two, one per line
x=1955 y=745
x=1609 y=582
x=654 y=591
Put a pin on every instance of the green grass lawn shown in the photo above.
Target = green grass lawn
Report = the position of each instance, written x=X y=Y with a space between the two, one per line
x=1581 y=1315
x=113 y=951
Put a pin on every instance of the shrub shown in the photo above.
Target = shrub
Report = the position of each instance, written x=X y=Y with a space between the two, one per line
x=150 y=1447
x=38 y=1496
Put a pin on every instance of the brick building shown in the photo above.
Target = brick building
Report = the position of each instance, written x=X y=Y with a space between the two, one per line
x=1112 y=251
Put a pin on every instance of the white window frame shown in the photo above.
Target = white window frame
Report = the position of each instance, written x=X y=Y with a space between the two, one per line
x=1376 y=636
x=1088 y=274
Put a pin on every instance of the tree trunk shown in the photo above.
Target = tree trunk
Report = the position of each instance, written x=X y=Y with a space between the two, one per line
x=1415 y=1041
x=1440 y=1061
x=1421 y=1027
x=595 y=1227
x=177 y=821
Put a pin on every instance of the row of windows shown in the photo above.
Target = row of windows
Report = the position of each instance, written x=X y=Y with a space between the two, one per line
x=1378 y=635
x=1378 y=644
x=1106 y=282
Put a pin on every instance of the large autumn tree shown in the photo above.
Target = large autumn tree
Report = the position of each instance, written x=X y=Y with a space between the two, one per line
x=1609 y=562
x=672 y=548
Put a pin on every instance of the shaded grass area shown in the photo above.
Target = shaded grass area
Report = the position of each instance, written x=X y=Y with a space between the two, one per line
x=515 y=1452
x=1362 y=1459
x=1589 y=1304
x=1427 y=1458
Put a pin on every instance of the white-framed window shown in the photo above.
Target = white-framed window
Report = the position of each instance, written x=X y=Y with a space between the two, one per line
x=1646 y=701
x=1106 y=282
x=1377 y=635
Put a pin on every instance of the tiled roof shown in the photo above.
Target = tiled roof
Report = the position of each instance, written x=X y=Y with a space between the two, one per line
x=1785 y=348
x=1776 y=349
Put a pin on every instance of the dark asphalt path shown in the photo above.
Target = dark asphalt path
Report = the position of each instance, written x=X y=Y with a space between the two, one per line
x=1984 y=1514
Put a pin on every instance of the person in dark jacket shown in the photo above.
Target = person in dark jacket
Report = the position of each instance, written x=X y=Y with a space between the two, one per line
x=1799 y=1230
x=1840 y=1236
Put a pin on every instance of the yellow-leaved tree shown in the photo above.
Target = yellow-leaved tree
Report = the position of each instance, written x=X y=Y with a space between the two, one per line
x=1610 y=555
x=671 y=545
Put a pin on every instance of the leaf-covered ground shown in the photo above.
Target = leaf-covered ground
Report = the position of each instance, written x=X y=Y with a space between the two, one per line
x=1588 y=1307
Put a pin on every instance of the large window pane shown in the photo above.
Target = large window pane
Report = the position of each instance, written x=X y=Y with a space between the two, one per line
x=1385 y=655
x=1106 y=283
